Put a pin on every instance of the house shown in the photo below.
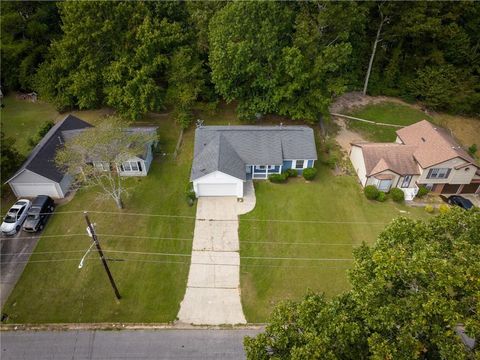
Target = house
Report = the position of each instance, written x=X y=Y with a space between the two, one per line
x=39 y=174
x=422 y=154
x=225 y=157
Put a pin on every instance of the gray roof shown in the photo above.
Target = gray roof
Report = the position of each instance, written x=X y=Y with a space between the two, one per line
x=42 y=158
x=229 y=148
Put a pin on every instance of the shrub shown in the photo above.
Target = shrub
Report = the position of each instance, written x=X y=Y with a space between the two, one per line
x=291 y=173
x=429 y=209
x=397 y=195
x=444 y=208
x=422 y=191
x=371 y=192
x=190 y=194
x=278 y=178
x=331 y=161
x=309 y=173
x=472 y=150
x=381 y=196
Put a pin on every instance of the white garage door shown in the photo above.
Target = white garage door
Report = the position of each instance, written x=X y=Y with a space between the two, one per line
x=32 y=190
x=217 y=189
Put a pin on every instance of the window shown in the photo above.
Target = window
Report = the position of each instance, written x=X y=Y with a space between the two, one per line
x=260 y=167
x=134 y=166
x=299 y=164
x=438 y=173
x=271 y=167
x=102 y=166
x=406 y=181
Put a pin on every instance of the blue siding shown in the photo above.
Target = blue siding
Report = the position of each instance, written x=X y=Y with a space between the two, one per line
x=287 y=165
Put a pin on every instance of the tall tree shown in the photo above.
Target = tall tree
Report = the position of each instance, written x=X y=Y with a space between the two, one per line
x=27 y=28
x=412 y=292
x=108 y=143
x=11 y=159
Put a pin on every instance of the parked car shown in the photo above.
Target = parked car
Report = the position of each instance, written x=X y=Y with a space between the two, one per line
x=39 y=213
x=12 y=222
x=460 y=201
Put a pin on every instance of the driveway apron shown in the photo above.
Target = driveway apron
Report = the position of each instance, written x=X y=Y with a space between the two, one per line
x=213 y=288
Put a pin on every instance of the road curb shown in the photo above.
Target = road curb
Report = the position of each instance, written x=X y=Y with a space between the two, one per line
x=124 y=326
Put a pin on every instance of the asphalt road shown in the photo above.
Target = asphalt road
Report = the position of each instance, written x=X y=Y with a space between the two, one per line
x=11 y=266
x=125 y=344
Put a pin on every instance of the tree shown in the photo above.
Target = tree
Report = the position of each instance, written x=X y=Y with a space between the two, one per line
x=11 y=159
x=410 y=293
x=109 y=143
x=27 y=28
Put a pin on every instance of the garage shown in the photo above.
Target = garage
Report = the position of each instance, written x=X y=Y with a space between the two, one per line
x=450 y=189
x=470 y=188
x=217 y=189
x=32 y=190
x=218 y=184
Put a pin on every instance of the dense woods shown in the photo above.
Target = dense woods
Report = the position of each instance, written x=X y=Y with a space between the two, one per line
x=287 y=58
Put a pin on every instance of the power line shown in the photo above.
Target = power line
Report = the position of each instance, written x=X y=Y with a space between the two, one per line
x=185 y=263
x=227 y=220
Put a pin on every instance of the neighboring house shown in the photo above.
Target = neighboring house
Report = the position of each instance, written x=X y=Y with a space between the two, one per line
x=423 y=154
x=226 y=156
x=39 y=174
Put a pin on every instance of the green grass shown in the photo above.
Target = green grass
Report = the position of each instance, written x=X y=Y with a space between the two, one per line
x=385 y=112
x=52 y=292
x=328 y=198
x=22 y=119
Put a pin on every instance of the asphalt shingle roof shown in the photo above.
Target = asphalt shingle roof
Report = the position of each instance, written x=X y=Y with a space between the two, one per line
x=42 y=158
x=230 y=148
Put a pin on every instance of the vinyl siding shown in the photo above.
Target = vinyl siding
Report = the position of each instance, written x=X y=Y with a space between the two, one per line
x=358 y=162
x=456 y=176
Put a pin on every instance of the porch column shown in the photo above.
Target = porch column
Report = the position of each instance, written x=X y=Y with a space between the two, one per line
x=460 y=188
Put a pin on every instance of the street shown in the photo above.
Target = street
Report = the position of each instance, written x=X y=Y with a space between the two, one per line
x=11 y=266
x=126 y=344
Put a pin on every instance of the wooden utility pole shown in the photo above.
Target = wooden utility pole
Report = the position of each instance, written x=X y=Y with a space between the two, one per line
x=374 y=50
x=102 y=256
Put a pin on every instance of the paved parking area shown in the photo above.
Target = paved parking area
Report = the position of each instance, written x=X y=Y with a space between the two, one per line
x=14 y=254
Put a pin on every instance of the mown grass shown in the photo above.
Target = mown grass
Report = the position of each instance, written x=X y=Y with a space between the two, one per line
x=152 y=286
x=349 y=217
x=22 y=119
x=385 y=112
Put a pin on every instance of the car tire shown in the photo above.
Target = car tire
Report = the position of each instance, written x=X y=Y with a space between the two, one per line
x=40 y=228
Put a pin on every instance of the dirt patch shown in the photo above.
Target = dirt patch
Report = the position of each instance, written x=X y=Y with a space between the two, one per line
x=349 y=101
x=345 y=136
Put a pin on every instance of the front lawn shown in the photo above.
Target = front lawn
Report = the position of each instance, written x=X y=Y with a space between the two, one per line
x=385 y=112
x=349 y=219
x=152 y=285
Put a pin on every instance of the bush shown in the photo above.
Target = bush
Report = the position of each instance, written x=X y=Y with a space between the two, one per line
x=444 y=208
x=422 y=191
x=472 y=150
x=381 y=196
x=331 y=161
x=278 y=178
x=397 y=195
x=190 y=194
x=291 y=173
x=371 y=192
x=309 y=173
x=429 y=209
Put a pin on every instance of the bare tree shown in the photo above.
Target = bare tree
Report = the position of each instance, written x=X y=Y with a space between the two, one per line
x=383 y=19
x=94 y=156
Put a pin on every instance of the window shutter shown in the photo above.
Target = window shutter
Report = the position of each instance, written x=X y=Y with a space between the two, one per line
x=448 y=173
x=139 y=166
x=429 y=173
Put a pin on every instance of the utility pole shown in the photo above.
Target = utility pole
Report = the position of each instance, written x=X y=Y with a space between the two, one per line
x=102 y=257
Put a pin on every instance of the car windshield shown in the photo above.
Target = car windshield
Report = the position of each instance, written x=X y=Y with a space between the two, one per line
x=32 y=216
x=10 y=218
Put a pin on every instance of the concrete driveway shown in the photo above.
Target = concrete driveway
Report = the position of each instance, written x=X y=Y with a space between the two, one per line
x=213 y=288
x=14 y=254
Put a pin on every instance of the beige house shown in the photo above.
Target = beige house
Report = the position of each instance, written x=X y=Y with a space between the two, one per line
x=422 y=154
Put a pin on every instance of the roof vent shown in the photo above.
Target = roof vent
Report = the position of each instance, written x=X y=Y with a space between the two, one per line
x=423 y=139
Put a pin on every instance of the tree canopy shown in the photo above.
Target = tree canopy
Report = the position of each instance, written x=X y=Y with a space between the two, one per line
x=286 y=58
x=412 y=291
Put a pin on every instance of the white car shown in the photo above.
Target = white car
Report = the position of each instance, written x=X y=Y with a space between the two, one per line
x=12 y=222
